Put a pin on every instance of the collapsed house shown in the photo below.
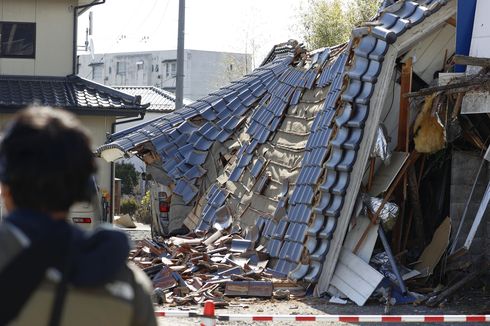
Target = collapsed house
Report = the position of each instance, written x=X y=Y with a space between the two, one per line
x=304 y=155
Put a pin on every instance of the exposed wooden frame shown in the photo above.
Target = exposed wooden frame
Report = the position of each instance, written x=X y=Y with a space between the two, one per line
x=401 y=46
x=404 y=117
x=472 y=61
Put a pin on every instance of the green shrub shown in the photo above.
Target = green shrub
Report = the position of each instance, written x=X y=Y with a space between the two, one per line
x=129 y=206
x=129 y=177
x=143 y=213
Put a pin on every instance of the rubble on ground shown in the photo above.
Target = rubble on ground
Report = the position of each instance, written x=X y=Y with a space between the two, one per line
x=190 y=270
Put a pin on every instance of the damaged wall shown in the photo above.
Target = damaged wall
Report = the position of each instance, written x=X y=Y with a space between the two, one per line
x=464 y=169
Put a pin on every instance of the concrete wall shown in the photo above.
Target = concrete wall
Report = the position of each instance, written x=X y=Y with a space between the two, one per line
x=54 y=36
x=204 y=71
x=463 y=173
x=98 y=128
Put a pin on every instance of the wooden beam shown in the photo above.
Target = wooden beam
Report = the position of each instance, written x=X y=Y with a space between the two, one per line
x=410 y=161
x=471 y=61
x=461 y=86
x=403 y=120
x=433 y=301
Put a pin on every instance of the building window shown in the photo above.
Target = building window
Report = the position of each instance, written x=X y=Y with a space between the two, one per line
x=18 y=40
x=139 y=65
x=171 y=69
x=97 y=71
x=120 y=68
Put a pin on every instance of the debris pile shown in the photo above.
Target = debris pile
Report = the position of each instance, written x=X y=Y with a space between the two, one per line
x=316 y=156
x=190 y=270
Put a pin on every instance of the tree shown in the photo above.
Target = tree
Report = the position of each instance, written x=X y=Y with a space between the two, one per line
x=330 y=22
x=128 y=175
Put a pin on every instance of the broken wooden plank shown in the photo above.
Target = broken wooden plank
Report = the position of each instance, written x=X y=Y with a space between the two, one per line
x=436 y=248
x=261 y=289
x=408 y=163
x=353 y=237
x=404 y=116
x=463 y=84
x=385 y=175
x=471 y=61
x=451 y=290
x=355 y=278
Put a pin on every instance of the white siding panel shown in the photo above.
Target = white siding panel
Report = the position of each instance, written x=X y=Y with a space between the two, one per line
x=19 y=10
x=480 y=41
x=54 y=38
x=21 y=67
x=355 y=278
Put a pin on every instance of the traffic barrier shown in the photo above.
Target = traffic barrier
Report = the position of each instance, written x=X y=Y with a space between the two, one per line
x=209 y=318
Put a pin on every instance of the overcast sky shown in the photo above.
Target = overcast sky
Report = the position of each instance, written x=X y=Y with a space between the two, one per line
x=251 y=26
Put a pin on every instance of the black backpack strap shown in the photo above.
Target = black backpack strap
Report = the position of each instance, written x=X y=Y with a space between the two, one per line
x=61 y=289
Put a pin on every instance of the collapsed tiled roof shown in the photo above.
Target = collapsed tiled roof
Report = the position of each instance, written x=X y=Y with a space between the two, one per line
x=71 y=92
x=158 y=99
x=276 y=149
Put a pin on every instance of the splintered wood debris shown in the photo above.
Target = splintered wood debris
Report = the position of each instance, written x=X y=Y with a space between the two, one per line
x=188 y=270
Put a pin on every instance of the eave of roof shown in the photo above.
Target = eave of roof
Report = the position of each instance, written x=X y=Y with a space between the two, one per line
x=71 y=92
x=159 y=100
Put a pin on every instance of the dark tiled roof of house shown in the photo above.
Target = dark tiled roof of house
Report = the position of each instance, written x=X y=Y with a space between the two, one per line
x=71 y=92
x=297 y=122
x=159 y=100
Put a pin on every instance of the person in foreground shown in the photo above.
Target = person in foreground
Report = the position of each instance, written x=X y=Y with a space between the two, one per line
x=52 y=272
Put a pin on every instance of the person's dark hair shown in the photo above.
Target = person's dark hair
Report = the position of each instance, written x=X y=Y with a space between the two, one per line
x=46 y=159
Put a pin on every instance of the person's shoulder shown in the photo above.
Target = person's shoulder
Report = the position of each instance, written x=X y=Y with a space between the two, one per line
x=12 y=241
x=143 y=306
x=140 y=277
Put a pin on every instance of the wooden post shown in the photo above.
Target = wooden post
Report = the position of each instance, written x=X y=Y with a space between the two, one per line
x=404 y=118
x=403 y=142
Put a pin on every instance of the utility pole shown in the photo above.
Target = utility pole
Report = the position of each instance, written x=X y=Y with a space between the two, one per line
x=179 y=85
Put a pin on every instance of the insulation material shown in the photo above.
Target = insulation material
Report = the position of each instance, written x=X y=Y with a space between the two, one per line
x=381 y=149
x=429 y=133
x=388 y=214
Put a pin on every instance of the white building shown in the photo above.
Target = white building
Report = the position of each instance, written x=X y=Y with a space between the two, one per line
x=37 y=65
x=204 y=71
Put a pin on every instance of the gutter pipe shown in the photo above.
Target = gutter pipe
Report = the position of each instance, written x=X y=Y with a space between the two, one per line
x=75 y=27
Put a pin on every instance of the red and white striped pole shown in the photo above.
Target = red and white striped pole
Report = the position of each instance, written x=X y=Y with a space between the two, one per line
x=208 y=317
